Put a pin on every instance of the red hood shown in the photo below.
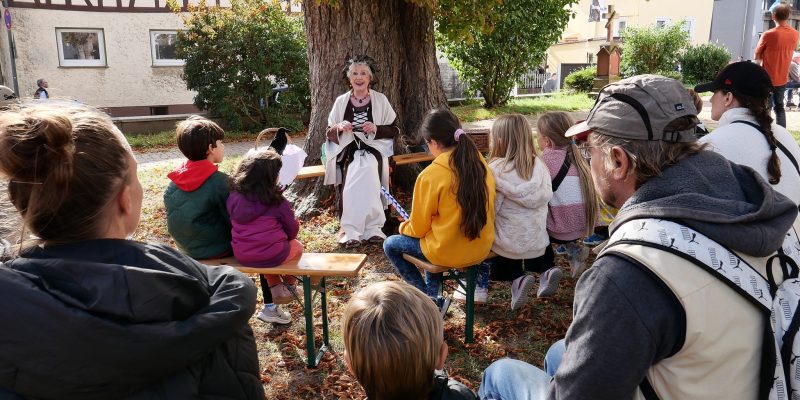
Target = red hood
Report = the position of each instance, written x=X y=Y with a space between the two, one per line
x=192 y=174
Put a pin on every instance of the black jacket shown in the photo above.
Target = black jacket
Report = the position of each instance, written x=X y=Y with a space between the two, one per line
x=449 y=389
x=109 y=319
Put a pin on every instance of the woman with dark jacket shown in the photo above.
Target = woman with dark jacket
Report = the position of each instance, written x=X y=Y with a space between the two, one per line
x=90 y=314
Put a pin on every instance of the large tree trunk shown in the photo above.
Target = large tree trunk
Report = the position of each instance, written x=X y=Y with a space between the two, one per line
x=399 y=36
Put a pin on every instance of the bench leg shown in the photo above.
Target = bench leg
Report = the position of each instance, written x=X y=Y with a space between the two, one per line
x=308 y=309
x=470 y=298
x=323 y=297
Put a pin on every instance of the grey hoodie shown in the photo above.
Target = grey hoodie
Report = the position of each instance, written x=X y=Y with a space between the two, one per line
x=520 y=206
x=626 y=320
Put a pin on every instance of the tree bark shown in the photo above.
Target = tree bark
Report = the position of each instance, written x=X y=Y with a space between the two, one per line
x=399 y=36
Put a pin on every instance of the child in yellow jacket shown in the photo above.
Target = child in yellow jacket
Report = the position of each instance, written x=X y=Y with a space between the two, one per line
x=452 y=214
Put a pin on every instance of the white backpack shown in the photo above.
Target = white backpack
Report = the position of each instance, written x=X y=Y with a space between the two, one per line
x=777 y=298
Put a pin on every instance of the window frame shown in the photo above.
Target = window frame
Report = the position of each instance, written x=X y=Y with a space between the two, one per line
x=102 y=62
x=666 y=20
x=691 y=22
x=617 y=32
x=170 y=62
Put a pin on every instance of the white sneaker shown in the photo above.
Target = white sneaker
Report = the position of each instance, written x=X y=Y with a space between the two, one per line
x=548 y=283
x=577 y=260
x=481 y=294
x=519 y=290
x=274 y=314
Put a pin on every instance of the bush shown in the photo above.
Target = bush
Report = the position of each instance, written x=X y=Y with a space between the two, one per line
x=701 y=63
x=651 y=50
x=581 y=80
x=671 y=74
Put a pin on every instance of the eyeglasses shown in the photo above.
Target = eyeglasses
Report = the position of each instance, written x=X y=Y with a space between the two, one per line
x=585 y=152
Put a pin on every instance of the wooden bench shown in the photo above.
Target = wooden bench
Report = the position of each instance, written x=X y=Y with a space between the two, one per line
x=316 y=265
x=450 y=273
x=480 y=136
x=314 y=171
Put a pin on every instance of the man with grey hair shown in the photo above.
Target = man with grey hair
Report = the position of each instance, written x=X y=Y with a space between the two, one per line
x=41 y=91
x=648 y=321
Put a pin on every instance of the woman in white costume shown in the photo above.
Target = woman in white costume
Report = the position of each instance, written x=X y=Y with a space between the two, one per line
x=361 y=131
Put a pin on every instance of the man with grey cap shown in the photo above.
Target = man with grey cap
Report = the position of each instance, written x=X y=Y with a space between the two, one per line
x=648 y=323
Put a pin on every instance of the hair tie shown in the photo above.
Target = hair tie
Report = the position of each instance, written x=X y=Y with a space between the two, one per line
x=773 y=147
x=458 y=133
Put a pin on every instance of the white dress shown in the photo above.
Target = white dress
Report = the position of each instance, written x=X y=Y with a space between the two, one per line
x=362 y=204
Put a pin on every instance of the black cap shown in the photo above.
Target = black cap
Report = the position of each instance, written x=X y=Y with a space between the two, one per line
x=741 y=77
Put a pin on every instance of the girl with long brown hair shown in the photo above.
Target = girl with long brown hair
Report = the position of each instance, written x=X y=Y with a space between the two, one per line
x=452 y=215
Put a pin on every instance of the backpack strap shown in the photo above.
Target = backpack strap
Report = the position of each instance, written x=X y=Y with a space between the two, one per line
x=722 y=263
x=780 y=145
x=562 y=173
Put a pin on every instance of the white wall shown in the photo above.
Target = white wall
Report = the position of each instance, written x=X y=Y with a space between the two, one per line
x=129 y=78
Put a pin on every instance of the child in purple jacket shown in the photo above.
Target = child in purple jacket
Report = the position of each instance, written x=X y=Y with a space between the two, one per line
x=264 y=228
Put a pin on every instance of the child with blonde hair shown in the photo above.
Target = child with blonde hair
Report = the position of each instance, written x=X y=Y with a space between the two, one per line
x=394 y=345
x=264 y=232
x=573 y=208
x=521 y=206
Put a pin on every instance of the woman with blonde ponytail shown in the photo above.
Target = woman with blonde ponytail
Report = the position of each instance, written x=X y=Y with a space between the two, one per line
x=89 y=313
x=452 y=214
x=573 y=208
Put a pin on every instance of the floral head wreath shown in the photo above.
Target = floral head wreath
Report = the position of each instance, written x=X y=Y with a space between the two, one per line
x=365 y=60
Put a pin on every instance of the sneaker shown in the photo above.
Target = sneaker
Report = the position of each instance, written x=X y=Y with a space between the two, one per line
x=274 y=314
x=561 y=249
x=577 y=260
x=281 y=294
x=519 y=291
x=481 y=294
x=548 y=283
x=594 y=240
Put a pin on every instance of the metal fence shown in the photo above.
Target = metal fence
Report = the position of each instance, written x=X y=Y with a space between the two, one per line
x=528 y=83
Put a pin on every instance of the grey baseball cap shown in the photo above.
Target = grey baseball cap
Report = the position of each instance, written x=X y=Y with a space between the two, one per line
x=639 y=108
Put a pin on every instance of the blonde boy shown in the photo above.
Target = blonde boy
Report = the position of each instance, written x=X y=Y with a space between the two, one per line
x=394 y=344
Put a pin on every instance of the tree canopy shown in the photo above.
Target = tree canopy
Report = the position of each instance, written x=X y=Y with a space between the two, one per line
x=236 y=56
x=510 y=40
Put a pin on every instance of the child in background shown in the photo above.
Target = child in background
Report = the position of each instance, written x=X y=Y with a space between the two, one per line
x=523 y=192
x=406 y=361
x=195 y=199
x=452 y=214
x=573 y=208
x=264 y=228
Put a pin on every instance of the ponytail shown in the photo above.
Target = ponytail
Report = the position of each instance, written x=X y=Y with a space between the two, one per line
x=758 y=107
x=470 y=182
x=470 y=172
x=590 y=205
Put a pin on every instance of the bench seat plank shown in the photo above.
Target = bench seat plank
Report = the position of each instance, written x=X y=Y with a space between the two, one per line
x=309 y=264
x=411 y=158
x=312 y=171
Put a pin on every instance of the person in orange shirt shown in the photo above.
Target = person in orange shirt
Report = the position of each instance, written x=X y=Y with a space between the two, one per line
x=774 y=51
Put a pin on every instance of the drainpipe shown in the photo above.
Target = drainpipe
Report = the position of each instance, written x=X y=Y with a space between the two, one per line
x=13 y=53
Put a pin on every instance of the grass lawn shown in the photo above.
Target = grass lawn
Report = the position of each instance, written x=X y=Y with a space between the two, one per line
x=166 y=139
x=499 y=332
x=474 y=111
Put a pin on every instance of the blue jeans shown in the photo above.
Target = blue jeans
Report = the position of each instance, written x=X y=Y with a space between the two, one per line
x=395 y=246
x=509 y=379
x=776 y=102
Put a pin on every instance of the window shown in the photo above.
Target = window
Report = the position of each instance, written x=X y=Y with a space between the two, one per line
x=688 y=27
x=81 y=47
x=662 y=22
x=162 y=48
x=619 y=26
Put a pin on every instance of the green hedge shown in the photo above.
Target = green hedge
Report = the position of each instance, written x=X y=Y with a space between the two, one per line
x=702 y=62
x=581 y=80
